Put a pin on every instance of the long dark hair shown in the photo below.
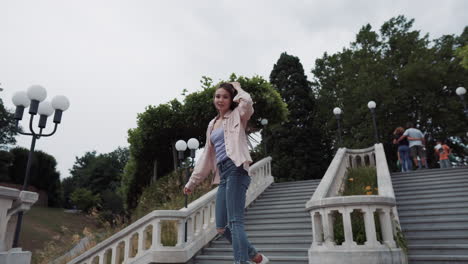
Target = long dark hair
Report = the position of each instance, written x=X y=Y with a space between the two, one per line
x=232 y=92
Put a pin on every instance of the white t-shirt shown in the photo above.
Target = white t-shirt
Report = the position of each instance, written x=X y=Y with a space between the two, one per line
x=414 y=133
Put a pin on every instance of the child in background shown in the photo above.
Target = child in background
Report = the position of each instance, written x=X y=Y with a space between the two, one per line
x=443 y=151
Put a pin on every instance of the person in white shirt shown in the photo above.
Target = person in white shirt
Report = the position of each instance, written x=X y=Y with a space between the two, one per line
x=416 y=143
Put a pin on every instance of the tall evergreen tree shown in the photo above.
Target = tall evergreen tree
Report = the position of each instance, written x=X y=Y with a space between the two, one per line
x=295 y=145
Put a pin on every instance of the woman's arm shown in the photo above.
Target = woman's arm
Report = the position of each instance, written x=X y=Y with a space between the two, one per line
x=202 y=169
x=245 y=102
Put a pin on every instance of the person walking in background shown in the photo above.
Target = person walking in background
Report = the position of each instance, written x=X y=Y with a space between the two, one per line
x=227 y=155
x=416 y=144
x=443 y=151
x=403 y=150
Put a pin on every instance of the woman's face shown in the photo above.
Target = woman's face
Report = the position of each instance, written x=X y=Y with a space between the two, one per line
x=222 y=100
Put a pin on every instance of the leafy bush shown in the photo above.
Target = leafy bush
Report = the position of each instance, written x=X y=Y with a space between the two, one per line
x=84 y=199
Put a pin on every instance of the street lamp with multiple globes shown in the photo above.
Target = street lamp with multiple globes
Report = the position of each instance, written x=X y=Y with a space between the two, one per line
x=461 y=91
x=337 y=112
x=371 y=105
x=181 y=147
x=34 y=99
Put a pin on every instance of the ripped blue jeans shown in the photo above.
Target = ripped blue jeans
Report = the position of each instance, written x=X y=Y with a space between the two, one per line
x=230 y=204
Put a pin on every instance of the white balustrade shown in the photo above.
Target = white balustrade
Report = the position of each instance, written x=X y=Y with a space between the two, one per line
x=327 y=204
x=201 y=229
x=13 y=201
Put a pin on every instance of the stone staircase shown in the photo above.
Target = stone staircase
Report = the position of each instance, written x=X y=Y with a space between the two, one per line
x=277 y=224
x=433 y=210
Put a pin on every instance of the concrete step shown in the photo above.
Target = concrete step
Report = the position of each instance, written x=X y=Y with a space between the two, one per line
x=409 y=193
x=278 y=199
x=302 y=188
x=429 y=179
x=278 y=202
x=438 y=249
x=438 y=259
x=255 y=235
x=442 y=212
x=266 y=251
x=462 y=200
x=428 y=238
x=276 y=215
x=436 y=231
x=296 y=183
x=278 y=243
x=285 y=227
x=429 y=208
x=435 y=219
x=270 y=211
x=285 y=195
x=440 y=183
x=229 y=260
x=400 y=189
x=428 y=172
x=427 y=175
x=454 y=222
x=291 y=191
x=439 y=196
x=300 y=220
x=266 y=206
x=447 y=194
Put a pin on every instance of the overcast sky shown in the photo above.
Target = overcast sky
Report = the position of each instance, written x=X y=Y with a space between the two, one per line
x=114 y=58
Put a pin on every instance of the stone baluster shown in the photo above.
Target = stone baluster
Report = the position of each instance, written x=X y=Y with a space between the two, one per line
x=347 y=226
x=317 y=228
x=180 y=233
x=387 y=227
x=156 y=234
x=190 y=229
x=369 y=223
x=206 y=214
x=328 y=227
x=141 y=241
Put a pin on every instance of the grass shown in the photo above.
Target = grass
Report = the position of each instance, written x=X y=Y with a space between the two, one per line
x=361 y=181
x=50 y=232
x=358 y=181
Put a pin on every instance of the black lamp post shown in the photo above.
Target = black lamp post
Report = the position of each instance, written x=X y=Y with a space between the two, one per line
x=372 y=106
x=181 y=147
x=337 y=111
x=461 y=91
x=264 y=123
x=34 y=98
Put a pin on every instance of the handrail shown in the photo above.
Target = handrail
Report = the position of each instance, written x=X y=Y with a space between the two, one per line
x=199 y=216
x=327 y=203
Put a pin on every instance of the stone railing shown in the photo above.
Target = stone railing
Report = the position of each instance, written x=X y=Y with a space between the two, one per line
x=326 y=205
x=13 y=201
x=141 y=241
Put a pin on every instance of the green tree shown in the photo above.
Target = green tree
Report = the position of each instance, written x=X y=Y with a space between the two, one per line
x=84 y=199
x=295 y=145
x=43 y=174
x=101 y=175
x=152 y=141
x=409 y=77
x=7 y=126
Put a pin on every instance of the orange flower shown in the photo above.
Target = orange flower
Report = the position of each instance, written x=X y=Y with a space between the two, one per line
x=369 y=193
x=350 y=179
x=368 y=188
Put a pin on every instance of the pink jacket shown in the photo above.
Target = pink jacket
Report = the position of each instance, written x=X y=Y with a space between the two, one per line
x=235 y=139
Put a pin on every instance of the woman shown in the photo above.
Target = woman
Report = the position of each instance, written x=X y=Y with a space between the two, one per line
x=227 y=155
x=403 y=149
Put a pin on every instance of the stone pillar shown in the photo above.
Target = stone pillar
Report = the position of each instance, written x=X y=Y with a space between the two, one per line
x=369 y=222
x=387 y=227
x=156 y=234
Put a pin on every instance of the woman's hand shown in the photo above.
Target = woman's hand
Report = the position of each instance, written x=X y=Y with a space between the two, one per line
x=236 y=85
x=187 y=191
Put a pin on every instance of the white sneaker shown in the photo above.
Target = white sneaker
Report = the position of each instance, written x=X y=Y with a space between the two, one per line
x=265 y=260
